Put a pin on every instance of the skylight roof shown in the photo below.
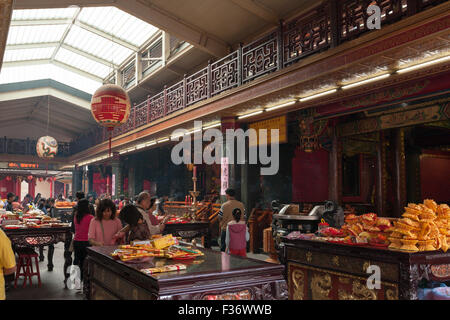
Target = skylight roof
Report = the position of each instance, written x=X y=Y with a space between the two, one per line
x=80 y=44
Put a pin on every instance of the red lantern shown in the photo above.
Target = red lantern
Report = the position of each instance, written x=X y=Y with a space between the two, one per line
x=110 y=107
x=8 y=178
x=40 y=179
x=29 y=178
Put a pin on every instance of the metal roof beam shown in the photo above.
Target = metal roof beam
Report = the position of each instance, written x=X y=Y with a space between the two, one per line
x=106 y=35
x=88 y=55
x=38 y=45
x=257 y=9
x=39 y=4
x=148 y=12
x=39 y=22
x=76 y=70
x=66 y=32
x=56 y=63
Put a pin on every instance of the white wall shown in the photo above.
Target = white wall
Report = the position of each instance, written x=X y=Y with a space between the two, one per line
x=42 y=187
x=23 y=190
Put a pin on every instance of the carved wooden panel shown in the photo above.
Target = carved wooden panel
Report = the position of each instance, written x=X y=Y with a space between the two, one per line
x=309 y=283
x=197 y=87
x=353 y=14
x=175 y=97
x=260 y=57
x=305 y=36
x=225 y=73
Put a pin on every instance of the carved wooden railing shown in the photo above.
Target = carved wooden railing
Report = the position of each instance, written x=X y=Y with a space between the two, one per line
x=257 y=222
x=328 y=25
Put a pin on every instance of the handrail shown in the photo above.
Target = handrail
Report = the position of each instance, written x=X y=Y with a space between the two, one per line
x=330 y=24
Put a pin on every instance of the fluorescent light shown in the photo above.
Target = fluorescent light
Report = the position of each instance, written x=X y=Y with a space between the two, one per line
x=212 y=126
x=422 y=65
x=140 y=146
x=318 y=95
x=150 y=143
x=194 y=131
x=163 y=140
x=281 y=105
x=359 y=83
x=175 y=136
x=250 y=114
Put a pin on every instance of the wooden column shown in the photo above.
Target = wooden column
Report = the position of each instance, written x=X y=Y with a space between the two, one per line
x=381 y=176
x=335 y=169
x=399 y=171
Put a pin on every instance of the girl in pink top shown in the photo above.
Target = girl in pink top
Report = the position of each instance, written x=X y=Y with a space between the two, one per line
x=105 y=225
x=81 y=222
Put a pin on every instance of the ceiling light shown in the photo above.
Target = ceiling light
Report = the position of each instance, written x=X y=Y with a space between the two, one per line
x=163 y=140
x=318 y=95
x=359 y=83
x=176 y=136
x=250 y=114
x=281 y=105
x=212 y=126
x=425 y=64
x=150 y=143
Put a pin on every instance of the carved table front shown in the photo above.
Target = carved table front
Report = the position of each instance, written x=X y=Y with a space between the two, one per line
x=216 y=275
x=325 y=271
x=38 y=237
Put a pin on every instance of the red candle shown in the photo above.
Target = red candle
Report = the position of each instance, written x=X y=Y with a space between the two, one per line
x=185 y=200
x=195 y=172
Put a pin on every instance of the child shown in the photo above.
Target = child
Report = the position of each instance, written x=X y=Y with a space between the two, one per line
x=105 y=225
x=237 y=235
x=136 y=225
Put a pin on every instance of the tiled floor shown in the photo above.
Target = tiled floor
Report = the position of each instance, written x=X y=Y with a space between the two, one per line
x=52 y=287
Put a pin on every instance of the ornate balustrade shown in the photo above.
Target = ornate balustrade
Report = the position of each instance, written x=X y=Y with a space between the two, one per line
x=325 y=26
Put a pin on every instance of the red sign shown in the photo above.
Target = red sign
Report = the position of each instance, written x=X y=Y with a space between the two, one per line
x=23 y=165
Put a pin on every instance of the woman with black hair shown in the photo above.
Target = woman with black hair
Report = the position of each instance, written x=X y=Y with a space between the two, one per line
x=237 y=235
x=81 y=221
x=137 y=226
x=105 y=225
x=37 y=199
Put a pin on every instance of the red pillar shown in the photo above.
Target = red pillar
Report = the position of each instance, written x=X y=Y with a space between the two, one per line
x=17 y=187
x=51 y=188
x=32 y=187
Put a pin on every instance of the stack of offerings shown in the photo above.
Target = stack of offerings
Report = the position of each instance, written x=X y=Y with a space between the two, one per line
x=168 y=268
x=424 y=227
x=367 y=229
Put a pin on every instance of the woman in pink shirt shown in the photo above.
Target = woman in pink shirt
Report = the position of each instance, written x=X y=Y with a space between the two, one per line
x=105 y=225
x=81 y=220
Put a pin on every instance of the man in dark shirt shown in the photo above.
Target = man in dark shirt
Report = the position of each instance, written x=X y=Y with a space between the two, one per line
x=9 y=200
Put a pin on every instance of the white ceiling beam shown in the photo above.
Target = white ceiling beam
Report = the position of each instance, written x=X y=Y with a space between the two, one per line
x=88 y=55
x=38 y=92
x=19 y=46
x=22 y=63
x=66 y=32
x=174 y=25
x=39 y=22
x=258 y=10
x=39 y=4
x=56 y=63
x=106 y=35
x=76 y=70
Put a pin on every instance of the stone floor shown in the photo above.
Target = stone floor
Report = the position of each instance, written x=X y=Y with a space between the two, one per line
x=52 y=286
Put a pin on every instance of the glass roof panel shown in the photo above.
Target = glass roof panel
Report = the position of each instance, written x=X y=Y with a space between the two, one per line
x=121 y=24
x=48 y=71
x=35 y=34
x=28 y=54
x=90 y=36
x=96 y=45
x=82 y=63
x=36 y=14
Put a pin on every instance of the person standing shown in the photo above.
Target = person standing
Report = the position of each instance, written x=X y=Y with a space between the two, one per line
x=82 y=222
x=37 y=199
x=105 y=226
x=9 y=201
x=226 y=214
x=237 y=235
x=7 y=261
